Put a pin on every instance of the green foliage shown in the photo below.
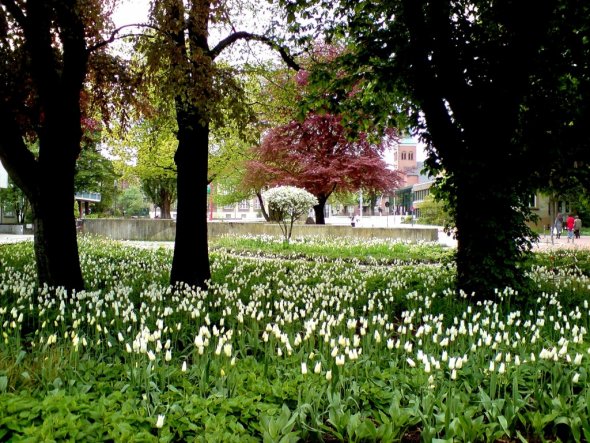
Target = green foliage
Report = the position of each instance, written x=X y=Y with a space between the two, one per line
x=355 y=251
x=432 y=212
x=132 y=203
x=96 y=173
x=439 y=69
x=161 y=192
x=15 y=200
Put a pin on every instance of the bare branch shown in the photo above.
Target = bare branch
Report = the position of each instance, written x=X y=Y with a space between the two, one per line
x=242 y=35
x=114 y=35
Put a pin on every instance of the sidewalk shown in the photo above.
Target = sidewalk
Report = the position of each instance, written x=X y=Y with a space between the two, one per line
x=13 y=238
x=543 y=244
x=562 y=243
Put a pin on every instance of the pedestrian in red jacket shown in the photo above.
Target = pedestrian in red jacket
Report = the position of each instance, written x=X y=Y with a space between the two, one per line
x=570 y=227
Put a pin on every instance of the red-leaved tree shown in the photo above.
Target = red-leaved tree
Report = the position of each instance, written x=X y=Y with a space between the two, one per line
x=316 y=154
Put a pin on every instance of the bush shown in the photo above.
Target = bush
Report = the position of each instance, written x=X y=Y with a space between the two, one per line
x=432 y=212
x=289 y=203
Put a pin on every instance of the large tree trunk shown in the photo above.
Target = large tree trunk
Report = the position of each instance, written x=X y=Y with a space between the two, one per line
x=165 y=204
x=56 y=246
x=190 y=263
x=488 y=252
x=48 y=181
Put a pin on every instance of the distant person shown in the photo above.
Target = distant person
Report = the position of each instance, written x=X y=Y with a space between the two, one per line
x=558 y=225
x=577 y=226
x=570 y=228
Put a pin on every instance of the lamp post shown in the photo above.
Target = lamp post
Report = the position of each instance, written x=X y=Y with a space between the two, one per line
x=360 y=204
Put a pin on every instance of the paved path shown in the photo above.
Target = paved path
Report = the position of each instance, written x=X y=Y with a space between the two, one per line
x=13 y=238
x=562 y=243
x=543 y=244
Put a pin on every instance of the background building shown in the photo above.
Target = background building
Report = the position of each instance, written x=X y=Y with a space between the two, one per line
x=406 y=161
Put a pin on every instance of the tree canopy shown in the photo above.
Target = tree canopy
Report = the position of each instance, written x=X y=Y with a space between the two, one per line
x=47 y=49
x=467 y=74
x=317 y=155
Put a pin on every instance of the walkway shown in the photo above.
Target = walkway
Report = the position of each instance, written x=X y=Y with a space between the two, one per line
x=543 y=244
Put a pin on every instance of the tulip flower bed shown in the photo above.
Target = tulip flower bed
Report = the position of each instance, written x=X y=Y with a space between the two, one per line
x=291 y=350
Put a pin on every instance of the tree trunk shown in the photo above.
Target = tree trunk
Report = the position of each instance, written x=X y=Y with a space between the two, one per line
x=262 y=208
x=319 y=210
x=190 y=263
x=165 y=204
x=373 y=202
x=319 y=214
x=56 y=245
x=490 y=242
x=48 y=180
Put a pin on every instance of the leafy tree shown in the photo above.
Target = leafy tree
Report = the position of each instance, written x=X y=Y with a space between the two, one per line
x=271 y=90
x=432 y=212
x=161 y=192
x=147 y=153
x=200 y=89
x=94 y=172
x=289 y=203
x=131 y=202
x=556 y=110
x=317 y=154
x=466 y=73
x=15 y=199
x=45 y=48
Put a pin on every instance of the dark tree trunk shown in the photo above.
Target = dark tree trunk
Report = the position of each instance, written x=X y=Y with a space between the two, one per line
x=262 y=208
x=165 y=209
x=56 y=246
x=319 y=210
x=48 y=181
x=488 y=252
x=190 y=263
x=165 y=203
x=319 y=214
x=373 y=202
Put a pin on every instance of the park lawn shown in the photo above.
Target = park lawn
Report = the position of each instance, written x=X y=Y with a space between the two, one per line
x=287 y=348
x=351 y=249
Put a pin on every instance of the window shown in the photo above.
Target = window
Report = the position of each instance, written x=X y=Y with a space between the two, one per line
x=410 y=156
x=8 y=210
x=244 y=205
x=563 y=207
x=256 y=204
x=404 y=155
x=532 y=202
x=228 y=207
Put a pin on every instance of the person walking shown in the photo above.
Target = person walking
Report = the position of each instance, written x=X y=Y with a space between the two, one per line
x=577 y=226
x=558 y=224
x=569 y=223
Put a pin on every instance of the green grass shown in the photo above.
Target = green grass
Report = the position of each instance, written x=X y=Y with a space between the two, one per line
x=370 y=250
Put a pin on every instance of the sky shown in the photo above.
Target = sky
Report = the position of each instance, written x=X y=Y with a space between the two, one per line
x=131 y=11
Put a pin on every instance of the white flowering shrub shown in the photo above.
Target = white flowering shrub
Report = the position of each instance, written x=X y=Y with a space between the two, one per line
x=289 y=203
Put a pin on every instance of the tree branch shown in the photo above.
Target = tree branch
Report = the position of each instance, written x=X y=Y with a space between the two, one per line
x=19 y=162
x=114 y=36
x=242 y=35
x=15 y=11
